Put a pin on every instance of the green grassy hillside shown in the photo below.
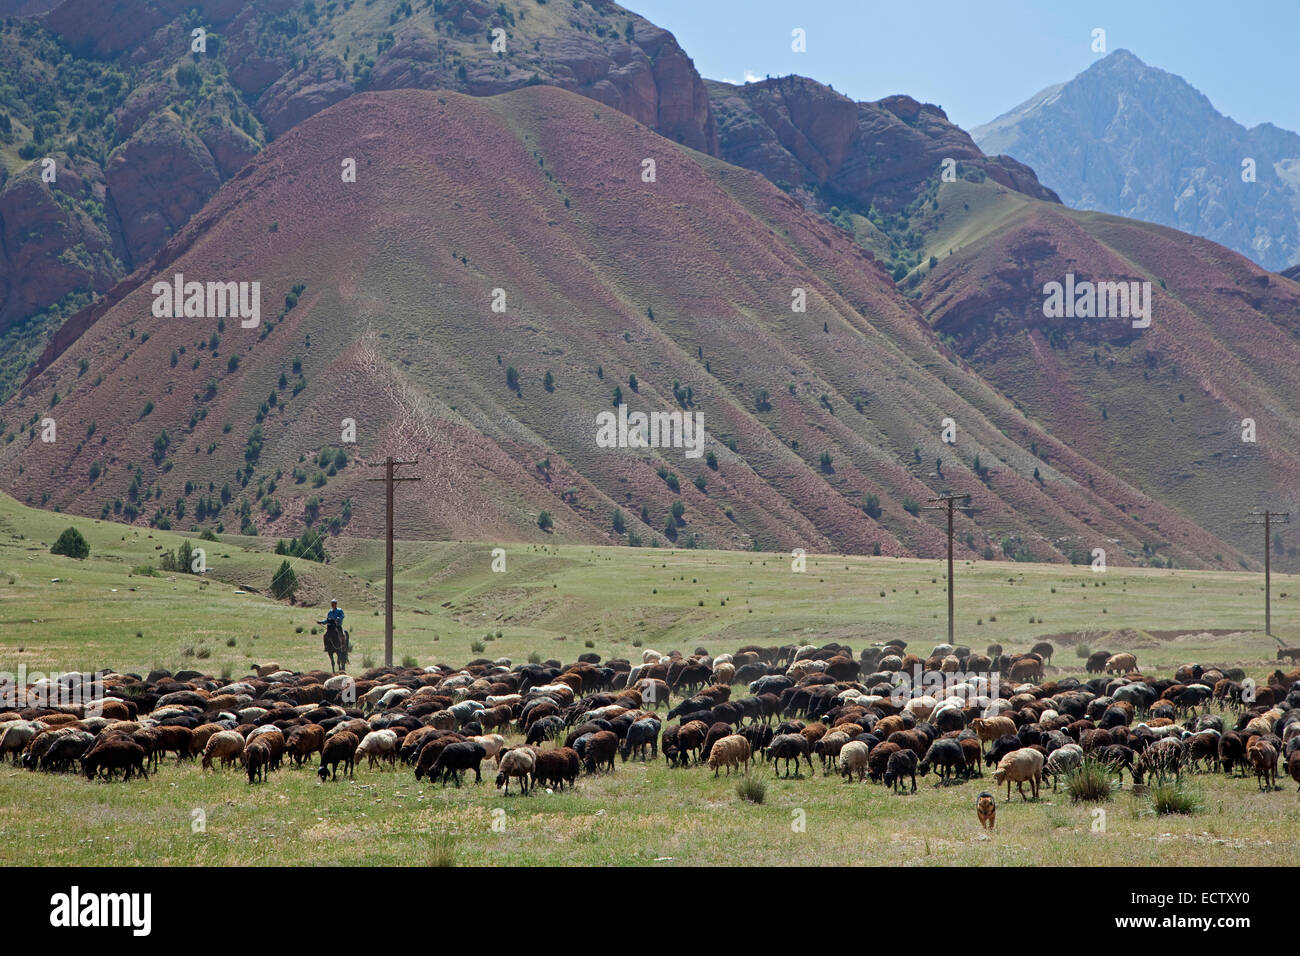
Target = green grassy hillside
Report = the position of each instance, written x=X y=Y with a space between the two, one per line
x=554 y=600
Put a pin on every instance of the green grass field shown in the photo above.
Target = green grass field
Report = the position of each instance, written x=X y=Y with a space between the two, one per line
x=560 y=601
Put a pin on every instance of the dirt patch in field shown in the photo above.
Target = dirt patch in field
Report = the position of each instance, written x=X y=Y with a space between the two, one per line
x=1124 y=639
x=1199 y=635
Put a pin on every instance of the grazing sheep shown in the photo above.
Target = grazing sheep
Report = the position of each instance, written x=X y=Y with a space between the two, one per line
x=516 y=763
x=338 y=749
x=853 y=759
x=1165 y=756
x=989 y=729
x=986 y=809
x=1263 y=760
x=1017 y=767
x=970 y=748
x=1001 y=747
x=946 y=755
x=304 y=741
x=378 y=745
x=601 y=750
x=551 y=767
x=258 y=755
x=1121 y=664
x=67 y=750
x=14 y=736
x=1232 y=752
x=789 y=747
x=114 y=753
x=828 y=749
x=732 y=751
x=1062 y=761
x=226 y=746
x=642 y=734
x=543 y=729
x=458 y=757
x=901 y=764
x=878 y=760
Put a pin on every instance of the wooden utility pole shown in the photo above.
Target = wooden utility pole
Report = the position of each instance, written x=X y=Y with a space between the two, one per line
x=949 y=504
x=1266 y=518
x=388 y=464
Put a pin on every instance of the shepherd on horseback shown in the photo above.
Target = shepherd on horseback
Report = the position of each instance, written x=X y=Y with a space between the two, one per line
x=336 y=639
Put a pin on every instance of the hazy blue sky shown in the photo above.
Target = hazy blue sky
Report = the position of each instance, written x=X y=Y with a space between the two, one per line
x=979 y=58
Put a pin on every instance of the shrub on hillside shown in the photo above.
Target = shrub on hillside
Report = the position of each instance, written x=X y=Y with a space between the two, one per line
x=285 y=582
x=71 y=544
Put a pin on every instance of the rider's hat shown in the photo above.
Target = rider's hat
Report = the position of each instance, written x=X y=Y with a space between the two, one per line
x=333 y=601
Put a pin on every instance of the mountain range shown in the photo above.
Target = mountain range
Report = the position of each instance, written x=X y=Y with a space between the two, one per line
x=1127 y=138
x=506 y=267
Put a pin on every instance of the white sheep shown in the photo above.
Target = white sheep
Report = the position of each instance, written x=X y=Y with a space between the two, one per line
x=515 y=763
x=853 y=759
x=378 y=745
x=492 y=744
x=1063 y=760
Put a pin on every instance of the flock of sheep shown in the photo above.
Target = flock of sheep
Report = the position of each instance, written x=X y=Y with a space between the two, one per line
x=548 y=723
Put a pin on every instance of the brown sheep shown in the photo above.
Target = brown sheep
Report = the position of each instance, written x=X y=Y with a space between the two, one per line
x=970 y=749
x=890 y=725
x=257 y=757
x=878 y=760
x=601 y=750
x=491 y=718
x=732 y=751
x=1293 y=766
x=518 y=763
x=989 y=729
x=1263 y=759
x=913 y=740
x=226 y=746
x=1026 y=670
x=1121 y=664
x=690 y=738
x=304 y=741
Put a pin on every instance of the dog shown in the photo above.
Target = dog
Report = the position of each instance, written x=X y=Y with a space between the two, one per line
x=986 y=808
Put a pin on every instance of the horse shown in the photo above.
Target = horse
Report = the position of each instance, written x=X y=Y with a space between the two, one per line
x=337 y=642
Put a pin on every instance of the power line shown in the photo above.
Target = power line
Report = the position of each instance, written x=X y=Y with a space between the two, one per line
x=388 y=464
x=1266 y=518
x=949 y=504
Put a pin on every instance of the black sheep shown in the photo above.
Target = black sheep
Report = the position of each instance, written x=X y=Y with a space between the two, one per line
x=458 y=757
x=643 y=733
x=338 y=749
x=946 y=756
x=901 y=764
x=789 y=747
x=545 y=728
x=1000 y=748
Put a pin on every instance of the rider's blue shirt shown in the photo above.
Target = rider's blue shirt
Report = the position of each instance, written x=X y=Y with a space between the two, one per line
x=335 y=614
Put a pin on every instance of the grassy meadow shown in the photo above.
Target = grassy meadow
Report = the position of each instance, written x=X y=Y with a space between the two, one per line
x=560 y=601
